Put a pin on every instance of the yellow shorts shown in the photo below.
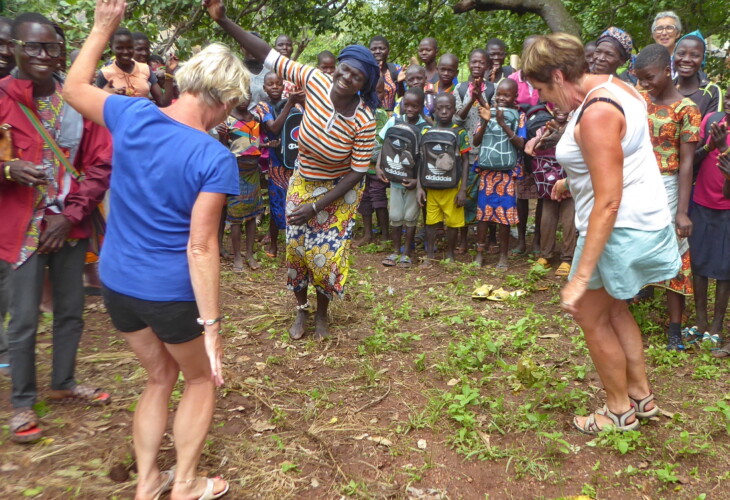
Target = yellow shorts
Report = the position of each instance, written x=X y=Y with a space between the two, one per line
x=441 y=206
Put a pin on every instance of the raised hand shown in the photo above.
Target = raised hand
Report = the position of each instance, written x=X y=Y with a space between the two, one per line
x=172 y=63
x=499 y=116
x=718 y=135
x=216 y=9
x=108 y=15
x=485 y=113
x=297 y=97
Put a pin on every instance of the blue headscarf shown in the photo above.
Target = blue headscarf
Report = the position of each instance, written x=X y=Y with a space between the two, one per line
x=697 y=35
x=362 y=59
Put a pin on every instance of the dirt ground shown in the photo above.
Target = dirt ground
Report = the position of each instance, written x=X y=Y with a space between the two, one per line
x=422 y=393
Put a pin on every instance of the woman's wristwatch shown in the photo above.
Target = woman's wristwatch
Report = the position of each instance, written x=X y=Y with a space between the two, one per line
x=209 y=322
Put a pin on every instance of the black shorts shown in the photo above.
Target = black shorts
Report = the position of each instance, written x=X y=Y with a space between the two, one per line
x=173 y=322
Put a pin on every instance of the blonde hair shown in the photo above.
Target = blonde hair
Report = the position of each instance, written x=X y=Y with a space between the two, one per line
x=215 y=75
x=556 y=51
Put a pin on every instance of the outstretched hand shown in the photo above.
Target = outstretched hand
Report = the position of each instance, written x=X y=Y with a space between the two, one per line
x=216 y=9
x=108 y=15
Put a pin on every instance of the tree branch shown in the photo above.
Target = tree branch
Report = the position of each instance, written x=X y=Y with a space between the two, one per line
x=553 y=12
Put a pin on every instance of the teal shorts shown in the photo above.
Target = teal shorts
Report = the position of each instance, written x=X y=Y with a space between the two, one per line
x=631 y=259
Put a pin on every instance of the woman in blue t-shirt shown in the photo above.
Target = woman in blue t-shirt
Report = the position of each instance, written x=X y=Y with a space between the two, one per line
x=160 y=262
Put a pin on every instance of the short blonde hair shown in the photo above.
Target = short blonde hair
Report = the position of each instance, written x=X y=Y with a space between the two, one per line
x=216 y=75
x=556 y=51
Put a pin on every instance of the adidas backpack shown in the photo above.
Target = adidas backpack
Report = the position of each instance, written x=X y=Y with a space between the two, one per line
x=400 y=152
x=441 y=167
x=289 y=147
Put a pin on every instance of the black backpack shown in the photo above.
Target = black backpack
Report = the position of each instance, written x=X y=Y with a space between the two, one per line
x=536 y=117
x=400 y=153
x=441 y=164
x=289 y=147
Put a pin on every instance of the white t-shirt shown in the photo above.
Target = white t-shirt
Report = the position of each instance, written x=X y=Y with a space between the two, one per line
x=644 y=200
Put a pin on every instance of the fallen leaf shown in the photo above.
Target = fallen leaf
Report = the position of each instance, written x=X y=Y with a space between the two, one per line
x=549 y=336
x=260 y=366
x=643 y=465
x=260 y=425
x=373 y=420
x=333 y=420
x=421 y=444
x=8 y=467
x=452 y=382
x=237 y=408
x=361 y=437
x=380 y=440
x=314 y=483
x=666 y=413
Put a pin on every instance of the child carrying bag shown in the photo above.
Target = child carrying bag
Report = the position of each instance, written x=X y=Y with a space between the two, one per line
x=400 y=151
x=441 y=159
x=496 y=151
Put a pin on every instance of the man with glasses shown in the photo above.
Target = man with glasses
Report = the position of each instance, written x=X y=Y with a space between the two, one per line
x=48 y=190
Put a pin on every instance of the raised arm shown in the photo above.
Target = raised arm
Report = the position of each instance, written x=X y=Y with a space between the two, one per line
x=78 y=90
x=252 y=44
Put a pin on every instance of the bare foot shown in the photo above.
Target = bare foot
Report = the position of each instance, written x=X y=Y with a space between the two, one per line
x=426 y=264
x=363 y=241
x=502 y=265
x=479 y=259
x=252 y=263
x=237 y=264
x=321 y=327
x=191 y=490
x=297 y=328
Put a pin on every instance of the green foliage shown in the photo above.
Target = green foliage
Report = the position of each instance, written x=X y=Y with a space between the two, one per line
x=722 y=408
x=621 y=441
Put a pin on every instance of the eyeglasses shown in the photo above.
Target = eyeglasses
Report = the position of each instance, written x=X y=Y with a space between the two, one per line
x=670 y=28
x=34 y=49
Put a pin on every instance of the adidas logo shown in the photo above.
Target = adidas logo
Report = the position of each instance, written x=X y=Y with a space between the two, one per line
x=396 y=143
x=437 y=147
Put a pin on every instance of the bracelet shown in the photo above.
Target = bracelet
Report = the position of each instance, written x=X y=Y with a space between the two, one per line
x=567 y=185
x=7 y=172
x=511 y=136
x=706 y=147
x=314 y=207
x=725 y=153
x=209 y=322
x=170 y=76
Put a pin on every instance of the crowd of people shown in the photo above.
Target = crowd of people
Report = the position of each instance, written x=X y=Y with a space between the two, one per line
x=633 y=166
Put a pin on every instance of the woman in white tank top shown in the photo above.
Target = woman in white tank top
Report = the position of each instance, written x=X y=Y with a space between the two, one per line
x=626 y=238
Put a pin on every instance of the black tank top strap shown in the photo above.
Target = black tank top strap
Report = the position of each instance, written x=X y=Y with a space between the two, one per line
x=600 y=99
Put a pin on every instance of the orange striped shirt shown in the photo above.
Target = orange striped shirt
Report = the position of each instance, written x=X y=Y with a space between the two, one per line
x=330 y=145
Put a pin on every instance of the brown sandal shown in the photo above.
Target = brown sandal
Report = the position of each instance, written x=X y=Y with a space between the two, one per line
x=84 y=394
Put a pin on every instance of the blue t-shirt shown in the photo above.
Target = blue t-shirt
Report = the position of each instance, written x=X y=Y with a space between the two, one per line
x=159 y=167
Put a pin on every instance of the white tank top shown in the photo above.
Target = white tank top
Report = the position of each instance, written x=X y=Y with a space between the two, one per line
x=644 y=200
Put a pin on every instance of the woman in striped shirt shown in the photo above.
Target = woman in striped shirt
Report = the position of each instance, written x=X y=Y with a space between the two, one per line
x=336 y=139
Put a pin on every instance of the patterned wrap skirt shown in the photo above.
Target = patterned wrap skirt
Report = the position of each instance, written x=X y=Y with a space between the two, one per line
x=248 y=204
x=317 y=252
x=682 y=283
x=278 y=183
x=496 y=198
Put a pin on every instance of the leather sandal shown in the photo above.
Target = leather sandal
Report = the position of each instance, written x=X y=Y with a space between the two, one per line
x=640 y=405
x=619 y=421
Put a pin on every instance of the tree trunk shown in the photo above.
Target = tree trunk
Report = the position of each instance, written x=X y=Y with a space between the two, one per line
x=553 y=12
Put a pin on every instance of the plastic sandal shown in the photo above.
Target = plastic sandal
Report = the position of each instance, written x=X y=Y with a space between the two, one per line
x=482 y=292
x=542 y=262
x=390 y=260
x=83 y=394
x=404 y=262
x=208 y=493
x=619 y=421
x=563 y=270
x=25 y=418
x=722 y=352
x=640 y=406
x=168 y=477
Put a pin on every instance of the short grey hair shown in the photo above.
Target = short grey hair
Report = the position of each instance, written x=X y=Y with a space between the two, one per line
x=667 y=13
x=216 y=75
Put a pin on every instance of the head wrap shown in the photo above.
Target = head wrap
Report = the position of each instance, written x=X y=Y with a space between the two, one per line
x=362 y=60
x=619 y=39
x=696 y=35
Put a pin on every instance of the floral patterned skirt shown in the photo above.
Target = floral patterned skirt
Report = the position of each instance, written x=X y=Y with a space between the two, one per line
x=317 y=252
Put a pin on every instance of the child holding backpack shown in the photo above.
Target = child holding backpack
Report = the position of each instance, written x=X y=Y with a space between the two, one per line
x=547 y=171
x=445 y=149
x=274 y=116
x=501 y=140
x=398 y=165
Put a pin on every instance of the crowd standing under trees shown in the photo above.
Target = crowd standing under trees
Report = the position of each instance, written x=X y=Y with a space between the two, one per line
x=626 y=151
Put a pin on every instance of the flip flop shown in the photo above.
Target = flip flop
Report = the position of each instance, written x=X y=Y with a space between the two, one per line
x=482 y=292
x=404 y=262
x=721 y=352
x=390 y=260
